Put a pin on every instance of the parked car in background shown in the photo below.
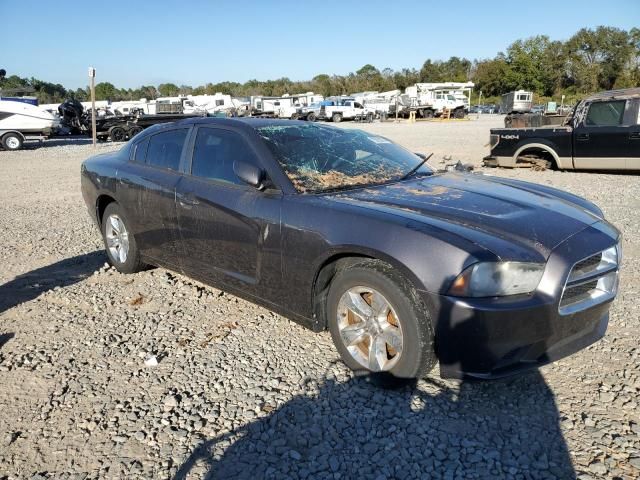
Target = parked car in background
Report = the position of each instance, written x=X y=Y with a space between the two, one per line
x=538 y=109
x=344 y=230
x=603 y=133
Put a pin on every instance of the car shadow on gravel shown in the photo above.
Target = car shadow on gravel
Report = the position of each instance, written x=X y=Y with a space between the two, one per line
x=501 y=429
x=66 y=272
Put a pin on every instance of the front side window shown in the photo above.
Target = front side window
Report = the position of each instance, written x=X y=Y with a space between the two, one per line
x=165 y=149
x=219 y=103
x=214 y=152
x=603 y=114
x=317 y=157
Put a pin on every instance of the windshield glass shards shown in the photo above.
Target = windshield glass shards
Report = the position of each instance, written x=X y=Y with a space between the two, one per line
x=319 y=157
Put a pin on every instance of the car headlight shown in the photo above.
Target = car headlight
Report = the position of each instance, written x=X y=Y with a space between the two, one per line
x=497 y=279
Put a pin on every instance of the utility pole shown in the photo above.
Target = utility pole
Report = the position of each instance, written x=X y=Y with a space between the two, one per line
x=92 y=76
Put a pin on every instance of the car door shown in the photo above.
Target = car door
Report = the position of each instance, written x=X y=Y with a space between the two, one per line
x=148 y=194
x=601 y=140
x=230 y=231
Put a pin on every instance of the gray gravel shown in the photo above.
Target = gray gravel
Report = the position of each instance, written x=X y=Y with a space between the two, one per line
x=240 y=392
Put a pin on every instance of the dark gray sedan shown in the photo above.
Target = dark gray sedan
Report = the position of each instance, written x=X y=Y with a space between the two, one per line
x=344 y=230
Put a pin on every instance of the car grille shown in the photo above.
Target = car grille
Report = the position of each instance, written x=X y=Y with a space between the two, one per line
x=592 y=281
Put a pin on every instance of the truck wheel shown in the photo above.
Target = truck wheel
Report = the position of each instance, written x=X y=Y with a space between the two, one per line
x=336 y=118
x=117 y=134
x=12 y=141
x=426 y=113
x=295 y=116
x=377 y=323
x=312 y=117
x=458 y=113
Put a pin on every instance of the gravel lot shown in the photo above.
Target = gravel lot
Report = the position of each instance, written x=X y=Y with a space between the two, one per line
x=240 y=392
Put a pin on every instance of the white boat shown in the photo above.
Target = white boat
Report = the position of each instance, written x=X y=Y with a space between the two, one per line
x=26 y=118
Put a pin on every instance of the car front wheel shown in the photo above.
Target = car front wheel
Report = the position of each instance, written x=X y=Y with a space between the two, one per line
x=119 y=242
x=377 y=323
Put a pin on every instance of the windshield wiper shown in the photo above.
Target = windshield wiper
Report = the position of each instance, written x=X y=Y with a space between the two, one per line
x=415 y=169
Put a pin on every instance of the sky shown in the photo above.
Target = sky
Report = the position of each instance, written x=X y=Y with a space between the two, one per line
x=193 y=42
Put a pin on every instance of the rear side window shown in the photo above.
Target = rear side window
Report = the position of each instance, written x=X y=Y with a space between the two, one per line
x=165 y=149
x=214 y=152
x=140 y=154
x=606 y=113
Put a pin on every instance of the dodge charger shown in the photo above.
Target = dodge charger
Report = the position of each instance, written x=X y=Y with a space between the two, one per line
x=346 y=231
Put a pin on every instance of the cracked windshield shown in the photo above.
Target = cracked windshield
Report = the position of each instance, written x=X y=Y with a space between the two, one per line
x=319 y=158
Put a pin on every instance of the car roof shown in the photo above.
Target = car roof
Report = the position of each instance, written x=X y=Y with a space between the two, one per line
x=243 y=123
x=624 y=93
x=252 y=122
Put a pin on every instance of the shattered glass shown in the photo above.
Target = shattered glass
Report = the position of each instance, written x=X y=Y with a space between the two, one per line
x=319 y=157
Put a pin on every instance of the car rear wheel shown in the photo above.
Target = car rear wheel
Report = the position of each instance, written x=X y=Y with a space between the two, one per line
x=377 y=323
x=119 y=242
x=336 y=118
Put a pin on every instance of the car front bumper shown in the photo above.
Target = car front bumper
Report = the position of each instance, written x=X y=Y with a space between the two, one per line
x=485 y=340
x=488 y=338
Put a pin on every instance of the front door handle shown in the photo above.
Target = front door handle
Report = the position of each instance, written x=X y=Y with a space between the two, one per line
x=583 y=136
x=634 y=135
x=187 y=200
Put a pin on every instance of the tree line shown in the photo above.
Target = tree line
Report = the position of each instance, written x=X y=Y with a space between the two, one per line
x=591 y=60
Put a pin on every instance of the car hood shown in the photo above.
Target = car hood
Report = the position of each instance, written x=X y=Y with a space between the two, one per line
x=495 y=213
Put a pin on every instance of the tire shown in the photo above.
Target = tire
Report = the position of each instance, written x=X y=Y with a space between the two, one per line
x=426 y=113
x=336 y=118
x=117 y=134
x=130 y=261
x=295 y=116
x=311 y=117
x=409 y=358
x=458 y=113
x=133 y=131
x=12 y=141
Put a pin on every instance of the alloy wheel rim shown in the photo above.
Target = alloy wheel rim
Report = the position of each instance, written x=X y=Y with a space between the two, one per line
x=13 y=142
x=369 y=328
x=117 y=238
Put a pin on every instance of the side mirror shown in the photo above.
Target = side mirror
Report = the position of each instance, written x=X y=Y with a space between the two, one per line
x=249 y=174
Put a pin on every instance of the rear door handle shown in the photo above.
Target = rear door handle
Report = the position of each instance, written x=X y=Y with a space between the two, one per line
x=187 y=200
x=634 y=135
x=583 y=136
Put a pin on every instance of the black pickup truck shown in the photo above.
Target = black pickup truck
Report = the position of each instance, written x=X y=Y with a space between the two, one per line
x=602 y=133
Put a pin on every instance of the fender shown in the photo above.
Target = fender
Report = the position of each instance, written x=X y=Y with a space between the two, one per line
x=20 y=134
x=561 y=162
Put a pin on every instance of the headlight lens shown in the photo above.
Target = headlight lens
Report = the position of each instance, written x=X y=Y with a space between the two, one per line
x=497 y=279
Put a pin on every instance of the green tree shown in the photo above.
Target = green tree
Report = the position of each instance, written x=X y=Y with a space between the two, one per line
x=106 y=91
x=597 y=58
x=168 y=90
